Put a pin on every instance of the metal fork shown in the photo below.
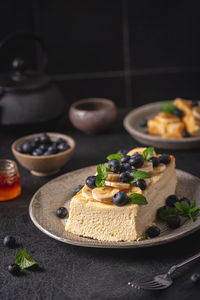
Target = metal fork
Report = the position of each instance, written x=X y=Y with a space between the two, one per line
x=162 y=281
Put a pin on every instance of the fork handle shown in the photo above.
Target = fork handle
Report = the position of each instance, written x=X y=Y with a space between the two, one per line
x=186 y=261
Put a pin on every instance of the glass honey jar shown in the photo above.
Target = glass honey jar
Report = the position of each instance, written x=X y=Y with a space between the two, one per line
x=10 y=186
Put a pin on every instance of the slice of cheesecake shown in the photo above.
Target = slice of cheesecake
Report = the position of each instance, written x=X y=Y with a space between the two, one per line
x=105 y=221
x=167 y=125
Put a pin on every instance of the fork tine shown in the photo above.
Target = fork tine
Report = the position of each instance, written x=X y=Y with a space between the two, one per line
x=153 y=287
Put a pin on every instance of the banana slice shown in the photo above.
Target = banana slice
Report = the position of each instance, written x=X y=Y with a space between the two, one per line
x=157 y=170
x=139 y=150
x=104 y=194
x=87 y=192
x=112 y=176
x=196 y=112
x=167 y=118
x=147 y=167
x=133 y=190
x=120 y=185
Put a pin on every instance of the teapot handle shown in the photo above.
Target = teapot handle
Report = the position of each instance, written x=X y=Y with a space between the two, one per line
x=30 y=36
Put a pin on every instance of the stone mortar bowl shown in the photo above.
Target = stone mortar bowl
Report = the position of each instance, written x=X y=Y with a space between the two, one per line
x=44 y=165
x=93 y=115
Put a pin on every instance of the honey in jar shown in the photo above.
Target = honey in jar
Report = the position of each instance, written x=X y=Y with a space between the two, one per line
x=10 y=186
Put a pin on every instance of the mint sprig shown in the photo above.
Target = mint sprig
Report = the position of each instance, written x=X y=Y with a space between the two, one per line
x=186 y=210
x=168 y=213
x=115 y=156
x=102 y=170
x=136 y=175
x=167 y=107
x=148 y=153
x=24 y=260
x=136 y=198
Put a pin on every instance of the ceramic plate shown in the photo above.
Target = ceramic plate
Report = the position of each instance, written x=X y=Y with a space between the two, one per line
x=131 y=123
x=59 y=191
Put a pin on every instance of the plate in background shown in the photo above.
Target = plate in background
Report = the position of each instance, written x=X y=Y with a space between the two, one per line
x=58 y=192
x=131 y=124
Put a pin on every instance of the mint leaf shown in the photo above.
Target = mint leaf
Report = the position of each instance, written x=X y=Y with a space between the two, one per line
x=167 y=107
x=167 y=213
x=136 y=175
x=188 y=211
x=148 y=153
x=115 y=156
x=101 y=174
x=24 y=260
x=136 y=198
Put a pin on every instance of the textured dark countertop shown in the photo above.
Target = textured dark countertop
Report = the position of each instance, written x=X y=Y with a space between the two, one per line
x=69 y=272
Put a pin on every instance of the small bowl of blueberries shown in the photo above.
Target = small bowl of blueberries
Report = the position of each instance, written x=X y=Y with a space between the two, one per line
x=43 y=154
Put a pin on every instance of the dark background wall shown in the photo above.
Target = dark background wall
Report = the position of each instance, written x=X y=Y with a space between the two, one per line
x=130 y=51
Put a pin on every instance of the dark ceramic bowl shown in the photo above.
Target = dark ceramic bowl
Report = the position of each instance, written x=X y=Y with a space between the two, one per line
x=92 y=115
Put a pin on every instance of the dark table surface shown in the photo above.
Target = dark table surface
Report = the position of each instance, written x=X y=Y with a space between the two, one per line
x=70 y=272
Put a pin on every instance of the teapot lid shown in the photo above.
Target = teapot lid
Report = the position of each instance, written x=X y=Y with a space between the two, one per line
x=21 y=80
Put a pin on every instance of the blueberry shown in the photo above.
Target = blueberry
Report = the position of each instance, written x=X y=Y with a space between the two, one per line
x=33 y=145
x=125 y=167
x=120 y=198
x=125 y=176
x=185 y=133
x=45 y=139
x=26 y=148
x=141 y=184
x=171 y=199
x=143 y=123
x=195 y=278
x=91 y=182
x=37 y=152
x=43 y=147
x=19 y=148
x=136 y=160
x=178 y=112
x=61 y=212
x=125 y=159
x=52 y=148
x=62 y=147
x=165 y=159
x=61 y=141
x=46 y=153
x=77 y=189
x=9 y=241
x=14 y=269
x=37 y=140
x=160 y=210
x=185 y=199
x=174 y=222
x=114 y=165
x=122 y=151
x=195 y=103
x=152 y=231
x=155 y=161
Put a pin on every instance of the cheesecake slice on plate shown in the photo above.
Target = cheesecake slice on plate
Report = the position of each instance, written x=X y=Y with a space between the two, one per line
x=121 y=207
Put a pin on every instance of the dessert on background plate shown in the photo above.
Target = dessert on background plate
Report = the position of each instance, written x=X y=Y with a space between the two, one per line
x=121 y=201
x=180 y=119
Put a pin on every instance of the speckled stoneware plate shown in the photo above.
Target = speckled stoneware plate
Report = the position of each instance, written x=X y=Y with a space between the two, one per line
x=131 y=124
x=59 y=191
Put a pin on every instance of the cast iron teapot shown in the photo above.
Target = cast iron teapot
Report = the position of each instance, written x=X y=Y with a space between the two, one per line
x=28 y=96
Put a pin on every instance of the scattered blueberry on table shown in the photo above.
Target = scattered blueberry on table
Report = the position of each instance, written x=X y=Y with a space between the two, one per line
x=195 y=278
x=152 y=231
x=143 y=123
x=14 y=269
x=9 y=241
x=43 y=146
x=61 y=212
